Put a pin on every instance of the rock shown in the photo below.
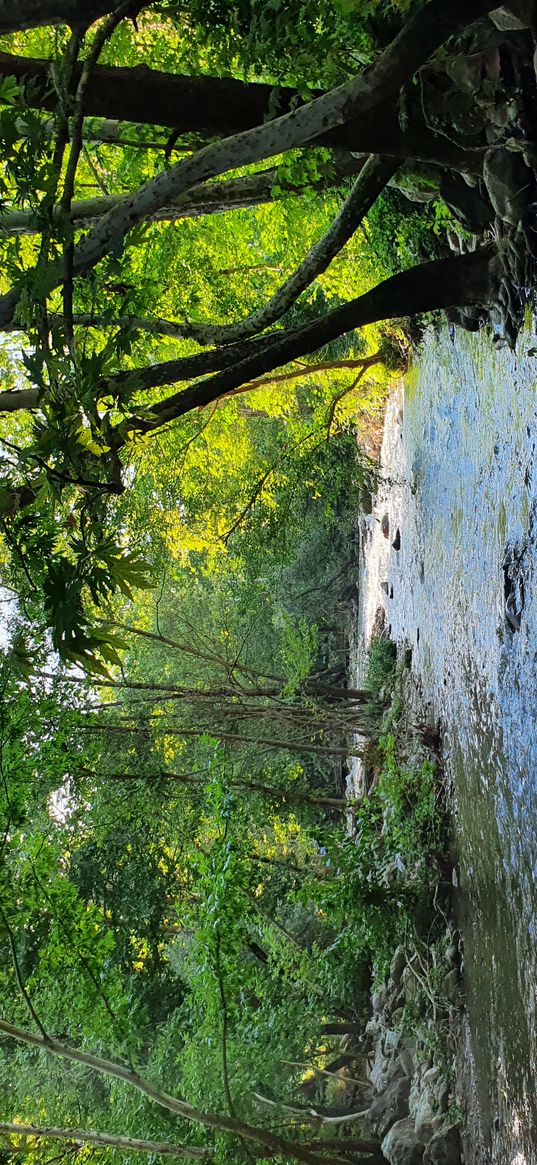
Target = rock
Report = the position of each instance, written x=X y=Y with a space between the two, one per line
x=410 y=984
x=512 y=17
x=509 y=184
x=385 y=526
x=399 y=960
x=466 y=72
x=444 y=1148
x=392 y=1039
x=431 y=1075
x=406 y=1061
x=422 y=1108
x=380 y=1071
x=373 y=1026
x=397 y=1016
x=384 y=586
x=397 y=540
x=390 y=1106
x=402 y=1145
x=379 y=999
x=473 y=211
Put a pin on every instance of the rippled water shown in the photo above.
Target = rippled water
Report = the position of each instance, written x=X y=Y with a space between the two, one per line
x=460 y=455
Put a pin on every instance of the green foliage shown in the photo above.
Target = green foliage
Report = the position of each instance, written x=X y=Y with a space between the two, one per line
x=381 y=662
x=383 y=881
x=403 y=233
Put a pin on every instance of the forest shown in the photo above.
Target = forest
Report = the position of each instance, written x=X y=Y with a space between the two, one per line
x=223 y=228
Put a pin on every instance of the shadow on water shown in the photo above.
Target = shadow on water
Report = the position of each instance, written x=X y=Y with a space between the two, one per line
x=460 y=455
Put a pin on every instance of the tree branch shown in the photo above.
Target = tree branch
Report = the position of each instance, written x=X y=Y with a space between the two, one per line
x=110 y=1140
x=463 y=279
x=372 y=179
x=420 y=37
x=277 y=1146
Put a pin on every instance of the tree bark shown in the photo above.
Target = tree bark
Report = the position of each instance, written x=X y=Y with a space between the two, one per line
x=17 y=15
x=458 y=281
x=362 y=97
x=231 y=738
x=209 y=198
x=370 y=182
x=220 y=107
x=270 y=791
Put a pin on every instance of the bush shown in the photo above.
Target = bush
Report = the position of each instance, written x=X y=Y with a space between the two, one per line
x=381 y=665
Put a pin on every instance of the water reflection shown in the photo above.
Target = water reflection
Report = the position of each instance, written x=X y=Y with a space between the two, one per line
x=461 y=486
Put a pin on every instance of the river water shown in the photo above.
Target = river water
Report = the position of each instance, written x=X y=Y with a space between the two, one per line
x=460 y=468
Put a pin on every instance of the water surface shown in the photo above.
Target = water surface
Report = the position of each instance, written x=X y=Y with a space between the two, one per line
x=459 y=457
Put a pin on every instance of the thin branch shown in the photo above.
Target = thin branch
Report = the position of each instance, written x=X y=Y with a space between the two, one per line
x=373 y=177
x=111 y=1140
x=277 y=1146
x=103 y=34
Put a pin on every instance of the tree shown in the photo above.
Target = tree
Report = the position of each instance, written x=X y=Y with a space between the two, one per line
x=86 y=408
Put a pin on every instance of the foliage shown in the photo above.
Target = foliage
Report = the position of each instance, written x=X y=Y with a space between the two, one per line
x=384 y=877
x=381 y=662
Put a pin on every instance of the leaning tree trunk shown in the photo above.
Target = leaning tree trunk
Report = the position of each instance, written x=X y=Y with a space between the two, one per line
x=17 y=15
x=209 y=198
x=219 y=107
x=458 y=281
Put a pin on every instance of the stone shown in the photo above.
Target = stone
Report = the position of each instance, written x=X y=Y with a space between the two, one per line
x=444 y=1148
x=465 y=72
x=379 y=999
x=509 y=184
x=410 y=983
x=407 y=1061
x=385 y=526
x=390 y=1106
x=379 y=1073
x=392 y=1039
x=473 y=211
x=513 y=17
x=402 y=1145
x=384 y=586
x=424 y=1112
x=431 y=1075
x=397 y=540
x=373 y=1026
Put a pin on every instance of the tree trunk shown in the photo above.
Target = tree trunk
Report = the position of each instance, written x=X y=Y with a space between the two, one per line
x=361 y=97
x=210 y=198
x=16 y=15
x=458 y=281
x=372 y=179
x=219 y=107
x=234 y=738
x=270 y=791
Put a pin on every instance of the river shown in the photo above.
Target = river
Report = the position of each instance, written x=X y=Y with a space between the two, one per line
x=460 y=484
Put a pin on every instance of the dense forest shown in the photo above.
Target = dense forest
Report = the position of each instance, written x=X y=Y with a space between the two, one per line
x=216 y=221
